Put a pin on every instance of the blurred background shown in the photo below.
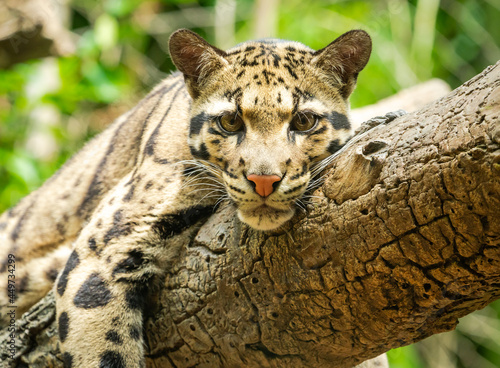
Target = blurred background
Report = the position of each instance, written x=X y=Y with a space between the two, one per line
x=68 y=68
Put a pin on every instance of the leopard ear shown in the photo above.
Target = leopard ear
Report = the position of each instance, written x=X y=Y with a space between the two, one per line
x=195 y=58
x=344 y=58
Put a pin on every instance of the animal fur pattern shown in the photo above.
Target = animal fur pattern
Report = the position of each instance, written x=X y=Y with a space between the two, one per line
x=253 y=125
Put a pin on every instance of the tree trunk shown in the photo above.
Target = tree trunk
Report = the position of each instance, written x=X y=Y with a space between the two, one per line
x=400 y=241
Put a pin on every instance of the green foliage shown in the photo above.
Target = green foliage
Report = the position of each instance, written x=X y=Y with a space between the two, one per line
x=49 y=108
x=405 y=357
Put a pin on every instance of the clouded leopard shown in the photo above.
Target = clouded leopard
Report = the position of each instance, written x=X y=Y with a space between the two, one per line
x=250 y=125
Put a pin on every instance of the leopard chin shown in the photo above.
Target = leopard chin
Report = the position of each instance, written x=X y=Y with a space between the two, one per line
x=265 y=217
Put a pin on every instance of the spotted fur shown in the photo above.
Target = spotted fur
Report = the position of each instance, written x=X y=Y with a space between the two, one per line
x=107 y=222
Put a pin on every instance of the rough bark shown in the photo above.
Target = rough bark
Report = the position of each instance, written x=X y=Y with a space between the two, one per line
x=400 y=241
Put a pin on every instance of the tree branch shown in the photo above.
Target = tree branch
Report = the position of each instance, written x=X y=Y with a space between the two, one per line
x=32 y=29
x=400 y=241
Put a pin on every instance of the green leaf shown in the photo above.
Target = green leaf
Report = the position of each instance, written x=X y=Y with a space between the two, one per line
x=106 y=31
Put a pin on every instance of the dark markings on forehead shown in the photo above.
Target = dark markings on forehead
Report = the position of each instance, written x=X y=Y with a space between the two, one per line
x=266 y=50
x=296 y=99
x=245 y=62
x=235 y=52
x=267 y=74
x=270 y=53
x=291 y=72
x=290 y=57
x=236 y=93
x=240 y=74
x=263 y=113
x=276 y=61
x=298 y=94
x=262 y=52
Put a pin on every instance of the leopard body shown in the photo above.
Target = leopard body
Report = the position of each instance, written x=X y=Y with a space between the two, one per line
x=104 y=227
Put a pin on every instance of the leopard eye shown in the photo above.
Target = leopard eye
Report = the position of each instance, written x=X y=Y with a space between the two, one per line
x=303 y=122
x=231 y=123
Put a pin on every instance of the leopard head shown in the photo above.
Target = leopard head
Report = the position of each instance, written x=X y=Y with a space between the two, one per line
x=265 y=114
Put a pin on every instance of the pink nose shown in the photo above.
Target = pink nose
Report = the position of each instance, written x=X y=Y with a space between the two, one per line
x=263 y=183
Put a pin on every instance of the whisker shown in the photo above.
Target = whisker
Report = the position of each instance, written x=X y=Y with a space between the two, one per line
x=203 y=178
x=192 y=183
x=300 y=205
x=209 y=196
x=209 y=190
x=207 y=184
x=203 y=175
x=222 y=199
x=313 y=196
x=315 y=182
x=203 y=164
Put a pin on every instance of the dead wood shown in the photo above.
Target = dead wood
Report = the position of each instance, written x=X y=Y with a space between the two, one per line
x=32 y=29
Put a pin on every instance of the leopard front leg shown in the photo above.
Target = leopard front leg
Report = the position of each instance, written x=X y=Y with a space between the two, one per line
x=101 y=292
x=132 y=237
x=117 y=257
x=100 y=316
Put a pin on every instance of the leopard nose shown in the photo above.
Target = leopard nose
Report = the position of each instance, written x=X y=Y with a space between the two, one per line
x=264 y=183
